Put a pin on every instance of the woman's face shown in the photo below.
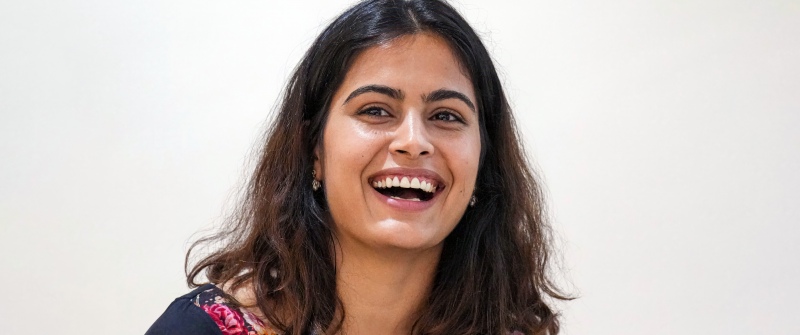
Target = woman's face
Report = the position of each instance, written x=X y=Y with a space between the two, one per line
x=401 y=146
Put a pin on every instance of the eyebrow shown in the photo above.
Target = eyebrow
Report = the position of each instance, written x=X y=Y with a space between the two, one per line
x=437 y=95
x=443 y=94
x=385 y=90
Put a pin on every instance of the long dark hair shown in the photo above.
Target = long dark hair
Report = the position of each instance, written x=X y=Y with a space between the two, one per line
x=493 y=274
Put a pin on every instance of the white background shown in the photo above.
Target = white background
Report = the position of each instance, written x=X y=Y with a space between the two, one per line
x=666 y=131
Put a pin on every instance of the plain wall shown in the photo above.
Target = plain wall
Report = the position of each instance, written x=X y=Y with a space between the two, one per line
x=666 y=133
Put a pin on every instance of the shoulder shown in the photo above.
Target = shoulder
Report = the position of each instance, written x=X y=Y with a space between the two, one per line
x=184 y=317
x=206 y=311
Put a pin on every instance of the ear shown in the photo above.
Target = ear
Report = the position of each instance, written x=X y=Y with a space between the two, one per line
x=318 y=165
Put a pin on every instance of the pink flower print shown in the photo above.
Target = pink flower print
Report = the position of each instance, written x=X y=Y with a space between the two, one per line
x=228 y=320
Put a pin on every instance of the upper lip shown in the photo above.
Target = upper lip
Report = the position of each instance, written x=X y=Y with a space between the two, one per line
x=407 y=172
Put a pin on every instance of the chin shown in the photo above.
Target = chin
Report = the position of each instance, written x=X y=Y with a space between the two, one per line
x=406 y=235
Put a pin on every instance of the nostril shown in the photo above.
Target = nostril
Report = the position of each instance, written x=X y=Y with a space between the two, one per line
x=406 y=152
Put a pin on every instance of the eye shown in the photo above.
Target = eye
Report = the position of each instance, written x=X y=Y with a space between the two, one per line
x=447 y=116
x=374 y=111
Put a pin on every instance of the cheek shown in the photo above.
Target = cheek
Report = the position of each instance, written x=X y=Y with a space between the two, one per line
x=462 y=161
x=469 y=157
x=348 y=150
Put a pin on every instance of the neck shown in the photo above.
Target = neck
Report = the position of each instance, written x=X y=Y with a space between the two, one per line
x=383 y=292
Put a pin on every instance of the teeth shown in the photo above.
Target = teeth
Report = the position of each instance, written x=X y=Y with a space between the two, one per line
x=399 y=198
x=405 y=183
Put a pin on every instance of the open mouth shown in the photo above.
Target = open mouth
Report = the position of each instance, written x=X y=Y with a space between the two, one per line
x=403 y=188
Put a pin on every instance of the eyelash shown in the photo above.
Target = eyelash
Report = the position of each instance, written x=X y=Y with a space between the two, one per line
x=374 y=111
x=369 y=111
x=455 y=117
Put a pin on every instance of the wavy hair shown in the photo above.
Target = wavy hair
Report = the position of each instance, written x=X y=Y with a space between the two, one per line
x=493 y=273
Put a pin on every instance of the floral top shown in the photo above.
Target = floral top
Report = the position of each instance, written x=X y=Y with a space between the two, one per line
x=231 y=320
x=207 y=311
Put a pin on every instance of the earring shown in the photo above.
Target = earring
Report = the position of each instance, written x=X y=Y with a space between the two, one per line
x=472 y=201
x=315 y=184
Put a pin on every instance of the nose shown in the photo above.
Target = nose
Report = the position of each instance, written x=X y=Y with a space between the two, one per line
x=411 y=138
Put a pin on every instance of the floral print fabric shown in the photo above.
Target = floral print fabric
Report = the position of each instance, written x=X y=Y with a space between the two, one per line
x=230 y=320
x=235 y=321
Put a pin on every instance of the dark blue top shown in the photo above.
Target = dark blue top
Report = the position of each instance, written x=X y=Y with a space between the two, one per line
x=183 y=317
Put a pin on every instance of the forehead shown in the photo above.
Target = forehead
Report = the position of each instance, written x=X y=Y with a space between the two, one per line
x=412 y=63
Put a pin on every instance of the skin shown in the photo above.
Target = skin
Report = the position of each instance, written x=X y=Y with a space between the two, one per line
x=387 y=252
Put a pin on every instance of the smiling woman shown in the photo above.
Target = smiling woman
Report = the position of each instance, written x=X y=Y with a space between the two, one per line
x=406 y=108
x=392 y=196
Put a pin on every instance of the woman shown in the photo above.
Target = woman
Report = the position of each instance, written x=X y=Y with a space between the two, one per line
x=392 y=196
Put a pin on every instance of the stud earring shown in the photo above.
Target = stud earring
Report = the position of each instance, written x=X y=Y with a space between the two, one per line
x=472 y=201
x=315 y=184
